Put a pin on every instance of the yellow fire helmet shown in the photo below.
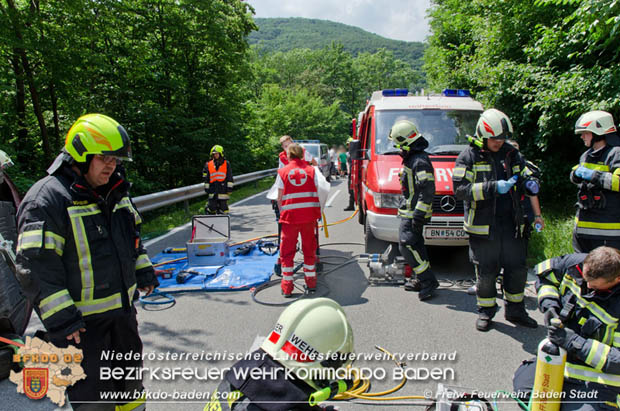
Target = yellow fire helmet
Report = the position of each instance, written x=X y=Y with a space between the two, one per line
x=310 y=336
x=217 y=149
x=97 y=134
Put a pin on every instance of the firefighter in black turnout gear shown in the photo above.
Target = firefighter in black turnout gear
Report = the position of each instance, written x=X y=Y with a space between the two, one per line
x=218 y=179
x=82 y=258
x=598 y=177
x=583 y=292
x=311 y=338
x=418 y=187
x=491 y=177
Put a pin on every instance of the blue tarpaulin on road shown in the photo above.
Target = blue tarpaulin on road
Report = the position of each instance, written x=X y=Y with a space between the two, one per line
x=240 y=273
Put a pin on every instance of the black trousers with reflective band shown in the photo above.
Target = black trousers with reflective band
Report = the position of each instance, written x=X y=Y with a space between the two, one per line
x=118 y=333
x=217 y=206
x=490 y=255
x=413 y=250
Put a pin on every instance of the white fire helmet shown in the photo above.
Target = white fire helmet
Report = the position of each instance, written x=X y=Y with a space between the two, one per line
x=404 y=133
x=310 y=336
x=597 y=122
x=494 y=124
x=5 y=160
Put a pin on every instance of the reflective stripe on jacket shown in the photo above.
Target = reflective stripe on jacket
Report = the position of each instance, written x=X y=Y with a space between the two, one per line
x=217 y=173
x=418 y=186
x=475 y=182
x=84 y=253
x=218 y=179
x=598 y=217
x=300 y=196
x=595 y=318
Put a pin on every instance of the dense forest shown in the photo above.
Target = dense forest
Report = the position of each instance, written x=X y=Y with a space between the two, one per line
x=181 y=76
x=542 y=62
x=285 y=34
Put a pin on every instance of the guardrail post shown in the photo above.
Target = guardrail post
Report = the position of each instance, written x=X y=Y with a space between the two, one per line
x=186 y=205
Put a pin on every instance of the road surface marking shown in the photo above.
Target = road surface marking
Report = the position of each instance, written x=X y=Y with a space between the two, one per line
x=331 y=199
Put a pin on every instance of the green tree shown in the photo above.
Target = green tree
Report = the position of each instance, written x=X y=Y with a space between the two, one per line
x=543 y=63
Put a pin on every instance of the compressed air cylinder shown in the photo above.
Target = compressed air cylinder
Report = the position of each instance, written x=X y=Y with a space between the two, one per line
x=547 y=390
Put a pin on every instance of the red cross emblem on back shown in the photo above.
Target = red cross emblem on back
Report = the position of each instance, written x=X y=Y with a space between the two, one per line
x=297 y=177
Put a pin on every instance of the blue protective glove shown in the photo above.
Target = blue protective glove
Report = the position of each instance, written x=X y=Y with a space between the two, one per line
x=503 y=186
x=584 y=173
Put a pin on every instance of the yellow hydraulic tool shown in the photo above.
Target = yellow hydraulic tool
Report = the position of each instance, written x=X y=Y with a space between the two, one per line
x=325 y=225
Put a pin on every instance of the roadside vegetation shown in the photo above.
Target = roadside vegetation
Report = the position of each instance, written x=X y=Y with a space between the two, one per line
x=555 y=239
x=160 y=221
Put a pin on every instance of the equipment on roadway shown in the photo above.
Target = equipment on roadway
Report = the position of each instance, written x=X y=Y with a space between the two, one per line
x=209 y=262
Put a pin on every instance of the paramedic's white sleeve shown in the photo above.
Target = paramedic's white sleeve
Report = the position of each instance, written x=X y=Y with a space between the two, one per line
x=279 y=183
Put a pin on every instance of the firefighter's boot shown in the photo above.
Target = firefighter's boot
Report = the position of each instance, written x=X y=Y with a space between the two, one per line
x=515 y=313
x=413 y=284
x=428 y=284
x=485 y=318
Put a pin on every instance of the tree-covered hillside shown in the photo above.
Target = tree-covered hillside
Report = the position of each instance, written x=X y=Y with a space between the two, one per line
x=284 y=34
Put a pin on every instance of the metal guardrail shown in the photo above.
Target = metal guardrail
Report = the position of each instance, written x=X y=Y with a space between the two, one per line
x=163 y=198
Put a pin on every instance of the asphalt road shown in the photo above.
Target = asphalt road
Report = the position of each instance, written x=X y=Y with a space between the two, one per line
x=231 y=323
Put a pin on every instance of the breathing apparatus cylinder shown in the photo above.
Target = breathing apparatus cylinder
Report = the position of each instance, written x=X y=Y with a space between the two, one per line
x=549 y=379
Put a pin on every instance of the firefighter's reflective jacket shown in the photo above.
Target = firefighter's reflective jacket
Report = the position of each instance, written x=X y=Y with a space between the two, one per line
x=596 y=356
x=417 y=182
x=475 y=182
x=598 y=214
x=218 y=178
x=82 y=248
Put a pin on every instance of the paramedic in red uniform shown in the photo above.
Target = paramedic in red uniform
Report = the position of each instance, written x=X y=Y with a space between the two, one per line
x=298 y=200
x=286 y=141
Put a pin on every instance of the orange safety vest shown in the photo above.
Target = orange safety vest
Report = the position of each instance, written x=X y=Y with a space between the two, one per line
x=217 y=174
x=300 y=197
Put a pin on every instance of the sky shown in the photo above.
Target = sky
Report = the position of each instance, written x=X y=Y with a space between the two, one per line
x=394 y=19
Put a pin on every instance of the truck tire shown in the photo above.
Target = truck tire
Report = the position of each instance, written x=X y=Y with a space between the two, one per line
x=371 y=243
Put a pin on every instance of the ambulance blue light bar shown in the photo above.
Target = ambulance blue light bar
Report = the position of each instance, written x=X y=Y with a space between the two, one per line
x=308 y=141
x=395 y=92
x=450 y=92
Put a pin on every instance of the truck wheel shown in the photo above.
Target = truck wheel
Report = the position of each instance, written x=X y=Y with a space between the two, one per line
x=373 y=244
